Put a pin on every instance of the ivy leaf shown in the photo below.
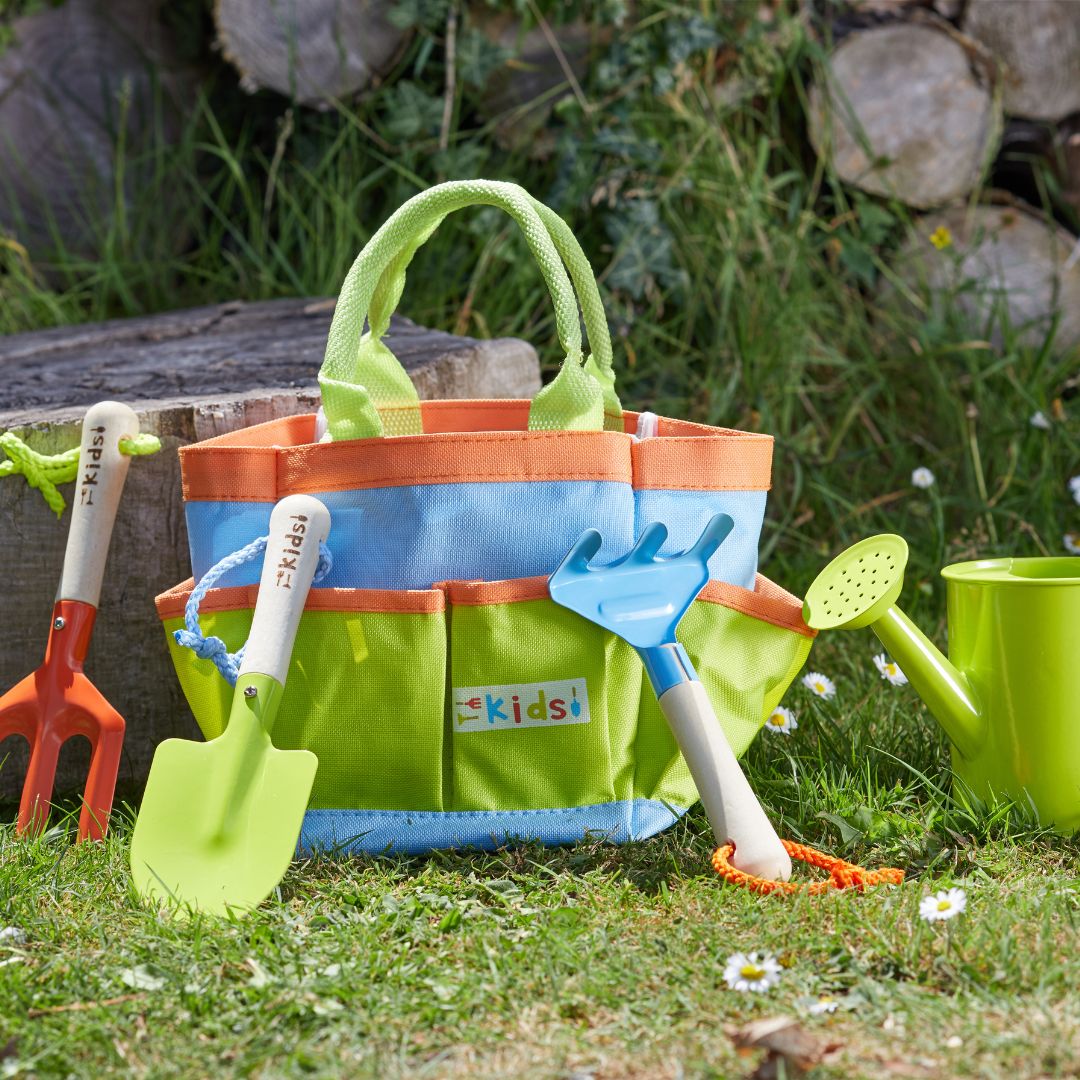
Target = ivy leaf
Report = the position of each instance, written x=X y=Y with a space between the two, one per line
x=413 y=14
x=478 y=57
x=411 y=112
x=645 y=251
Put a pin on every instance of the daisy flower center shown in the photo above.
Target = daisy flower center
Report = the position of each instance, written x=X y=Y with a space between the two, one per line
x=776 y=720
x=819 y=687
x=752 y=971
x=944 y=905
x=891 y=669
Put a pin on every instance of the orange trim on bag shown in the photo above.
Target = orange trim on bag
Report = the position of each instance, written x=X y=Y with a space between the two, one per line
x=768 y=602
x=479 y=414
x=481 y=593
x=461 y=458
x=722 y=461
x=470 y=442
x=170 y=605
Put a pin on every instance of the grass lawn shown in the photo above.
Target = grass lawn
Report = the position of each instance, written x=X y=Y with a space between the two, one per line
x=745 y=288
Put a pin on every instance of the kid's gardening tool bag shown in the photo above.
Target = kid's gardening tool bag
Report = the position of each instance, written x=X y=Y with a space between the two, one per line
x=449 y=700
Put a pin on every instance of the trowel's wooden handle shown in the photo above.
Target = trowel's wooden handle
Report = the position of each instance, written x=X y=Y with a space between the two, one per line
x=298 y=524
x=102 y=472
x=734 y=812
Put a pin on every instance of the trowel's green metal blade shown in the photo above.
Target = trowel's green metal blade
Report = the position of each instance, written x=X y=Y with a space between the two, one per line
x=220 y=820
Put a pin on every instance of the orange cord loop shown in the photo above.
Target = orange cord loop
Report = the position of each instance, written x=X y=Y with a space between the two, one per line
x=842 y=875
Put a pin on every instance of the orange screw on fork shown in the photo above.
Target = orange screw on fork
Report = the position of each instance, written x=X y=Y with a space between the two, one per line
x=58 y=701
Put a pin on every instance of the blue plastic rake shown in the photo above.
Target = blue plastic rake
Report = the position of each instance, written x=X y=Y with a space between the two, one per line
x=641 y=598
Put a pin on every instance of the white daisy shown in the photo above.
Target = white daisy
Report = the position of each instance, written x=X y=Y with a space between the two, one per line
x=1040 y=420
x=923 y=478
x=943 y=905
x=1074 y=487
x=819 y=684
x=889 y=670
x=782 y=721
x=1072 y=543
x=12 y=935
x=751 y=972
x=824 y=1004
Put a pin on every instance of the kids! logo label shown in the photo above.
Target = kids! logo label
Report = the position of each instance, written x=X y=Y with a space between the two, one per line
x=521 y=705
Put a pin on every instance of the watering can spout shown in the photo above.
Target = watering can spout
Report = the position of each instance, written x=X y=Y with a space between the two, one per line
x=860 y=588
x=945 y=689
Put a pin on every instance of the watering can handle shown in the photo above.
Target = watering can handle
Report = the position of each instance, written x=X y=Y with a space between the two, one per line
x=734 y=812
x=100 y=480
x=298 y=525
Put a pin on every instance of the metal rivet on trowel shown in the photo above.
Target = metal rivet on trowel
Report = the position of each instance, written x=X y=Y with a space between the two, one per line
x=59 y=624
x=250 y=691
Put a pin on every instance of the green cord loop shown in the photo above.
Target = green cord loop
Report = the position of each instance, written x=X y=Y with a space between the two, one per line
x=46 y=471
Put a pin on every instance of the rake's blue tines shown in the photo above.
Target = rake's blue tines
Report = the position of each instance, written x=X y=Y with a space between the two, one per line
x=642 y=596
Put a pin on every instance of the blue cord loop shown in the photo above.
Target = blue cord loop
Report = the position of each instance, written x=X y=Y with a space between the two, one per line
x=213 y=648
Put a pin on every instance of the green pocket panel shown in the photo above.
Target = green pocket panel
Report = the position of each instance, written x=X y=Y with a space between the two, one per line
x=536 y=708
x=365 y=693
x=746 y=663
x=543 y=707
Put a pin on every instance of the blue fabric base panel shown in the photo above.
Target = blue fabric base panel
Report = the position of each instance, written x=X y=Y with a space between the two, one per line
x=408 y=832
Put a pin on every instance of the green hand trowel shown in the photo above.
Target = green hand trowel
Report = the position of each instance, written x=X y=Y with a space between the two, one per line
x=220 y=820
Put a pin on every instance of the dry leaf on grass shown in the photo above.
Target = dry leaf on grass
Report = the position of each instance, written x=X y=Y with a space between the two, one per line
x=785 y=1041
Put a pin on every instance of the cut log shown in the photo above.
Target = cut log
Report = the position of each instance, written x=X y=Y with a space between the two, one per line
x=998 y=257
x=905 y=110
x=1039 y=43
x=314 y=52
x=77 y=82
x=190 y=375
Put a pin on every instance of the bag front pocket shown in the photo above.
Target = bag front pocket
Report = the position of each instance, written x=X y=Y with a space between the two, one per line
x=364 y=692
x=746 y=646
x=542 y=704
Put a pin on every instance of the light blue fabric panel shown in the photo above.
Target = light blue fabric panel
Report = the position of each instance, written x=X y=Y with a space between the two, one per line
x=407 y=832
x=411 y=537
x=685 y=513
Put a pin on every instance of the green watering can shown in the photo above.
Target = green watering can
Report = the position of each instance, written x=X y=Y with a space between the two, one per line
x=1008 y=694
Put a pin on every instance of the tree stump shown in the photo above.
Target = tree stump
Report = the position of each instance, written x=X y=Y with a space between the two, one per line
x=190 y=375
x=998 y=256
x=76 y=83
x=1039 y=43
x=905 y=111
x=314 y=52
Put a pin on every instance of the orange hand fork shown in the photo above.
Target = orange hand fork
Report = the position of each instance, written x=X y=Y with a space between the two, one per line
x=58 y=701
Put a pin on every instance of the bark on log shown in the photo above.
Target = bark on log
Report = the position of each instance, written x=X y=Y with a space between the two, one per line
x=905 y=111
x=315 y=51
x=76 y=82
x=190 y=375
x=998 y=256
x=1039 y=43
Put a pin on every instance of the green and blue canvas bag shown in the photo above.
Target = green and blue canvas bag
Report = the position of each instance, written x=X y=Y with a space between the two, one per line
x=450 y=702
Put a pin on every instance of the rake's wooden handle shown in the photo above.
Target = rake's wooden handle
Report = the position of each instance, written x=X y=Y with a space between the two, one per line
x=102 y=472
x=734 y=811
x=298 y=524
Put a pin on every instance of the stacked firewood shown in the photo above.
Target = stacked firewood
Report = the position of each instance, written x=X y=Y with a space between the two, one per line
x=929 y=110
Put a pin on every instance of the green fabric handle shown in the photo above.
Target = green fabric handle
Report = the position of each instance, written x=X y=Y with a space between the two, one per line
x=366 y=392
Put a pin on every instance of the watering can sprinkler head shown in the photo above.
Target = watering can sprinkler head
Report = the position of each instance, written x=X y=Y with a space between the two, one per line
x=860 y=588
